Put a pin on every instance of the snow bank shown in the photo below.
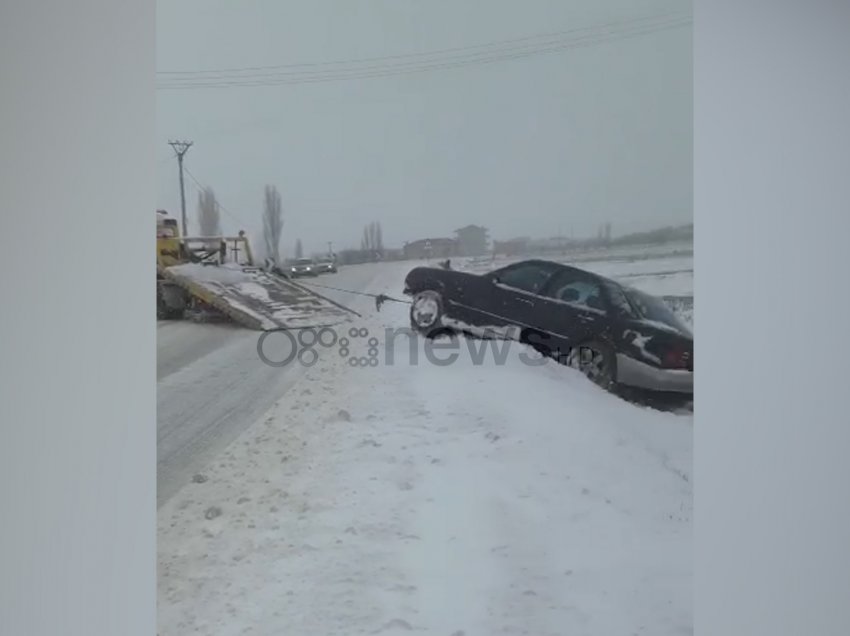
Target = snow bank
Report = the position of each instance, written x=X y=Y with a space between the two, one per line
x=459 y=499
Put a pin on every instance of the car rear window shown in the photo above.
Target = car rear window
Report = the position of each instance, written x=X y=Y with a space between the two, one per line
x=654 y=309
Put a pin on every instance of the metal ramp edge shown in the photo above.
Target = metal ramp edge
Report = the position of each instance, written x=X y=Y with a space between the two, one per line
x=255 y=314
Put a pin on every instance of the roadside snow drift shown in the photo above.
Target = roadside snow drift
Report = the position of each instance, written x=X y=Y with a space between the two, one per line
x=470 y=498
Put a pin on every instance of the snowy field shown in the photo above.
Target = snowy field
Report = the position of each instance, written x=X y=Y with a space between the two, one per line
x=410 y=497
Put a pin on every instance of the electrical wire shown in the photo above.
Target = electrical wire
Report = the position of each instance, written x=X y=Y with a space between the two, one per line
x=479 y=54
x=404 y=69
x=425 y=54
x=218 y=204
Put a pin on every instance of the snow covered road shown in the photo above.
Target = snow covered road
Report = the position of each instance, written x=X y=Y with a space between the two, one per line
x=211 y=385
x=472 y=498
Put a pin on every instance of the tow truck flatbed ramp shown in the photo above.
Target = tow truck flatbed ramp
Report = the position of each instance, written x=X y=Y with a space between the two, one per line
x=256 y=298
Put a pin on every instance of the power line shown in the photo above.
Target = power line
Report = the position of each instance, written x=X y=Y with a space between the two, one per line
x=598 y=35
x=365 y=72
x=200 y=187
x=425 y=54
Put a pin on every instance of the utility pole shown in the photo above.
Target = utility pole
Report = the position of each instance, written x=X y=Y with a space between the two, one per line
x=180 y=149
x=330 y=249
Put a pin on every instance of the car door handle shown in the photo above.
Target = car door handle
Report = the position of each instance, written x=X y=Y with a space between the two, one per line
x=527 y=301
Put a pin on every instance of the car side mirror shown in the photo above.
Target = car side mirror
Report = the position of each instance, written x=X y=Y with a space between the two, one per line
x=494 y=279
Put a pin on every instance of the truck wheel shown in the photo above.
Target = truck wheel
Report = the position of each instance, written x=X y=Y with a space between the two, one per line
x=171 y=301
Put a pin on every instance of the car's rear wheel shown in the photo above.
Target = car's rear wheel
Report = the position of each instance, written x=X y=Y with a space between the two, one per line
x=596 y=361
x=426 y=312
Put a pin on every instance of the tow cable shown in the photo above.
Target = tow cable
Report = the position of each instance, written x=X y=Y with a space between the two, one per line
x=380 y=299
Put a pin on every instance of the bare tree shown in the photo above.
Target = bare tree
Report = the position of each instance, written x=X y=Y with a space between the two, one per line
x=299 y=249
x=372 y=240
x=209 y=219
x=272 y=223
x=379 y=238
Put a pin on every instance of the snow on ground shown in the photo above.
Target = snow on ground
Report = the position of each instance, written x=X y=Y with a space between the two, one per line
x=679 y=283
x=411 y=497
x=211 y=386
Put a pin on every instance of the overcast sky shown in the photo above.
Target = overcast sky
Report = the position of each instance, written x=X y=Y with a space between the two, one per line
x=549 y=143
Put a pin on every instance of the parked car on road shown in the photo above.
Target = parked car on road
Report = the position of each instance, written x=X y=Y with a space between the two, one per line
x=303 y=267
x=614 y=334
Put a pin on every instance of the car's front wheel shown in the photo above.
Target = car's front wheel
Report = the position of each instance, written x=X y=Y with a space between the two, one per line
x=596 y=361
x=426 y=312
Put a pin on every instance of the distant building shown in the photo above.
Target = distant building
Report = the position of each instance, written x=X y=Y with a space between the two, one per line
x=522 y=246
x=551 y=244
x=430 y=248
x=472 y=240
x=511 y=247
x=355 y=257
x=393 y=254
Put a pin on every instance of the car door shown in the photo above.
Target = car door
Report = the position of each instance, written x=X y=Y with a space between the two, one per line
x=572 y=309
x=508 y=296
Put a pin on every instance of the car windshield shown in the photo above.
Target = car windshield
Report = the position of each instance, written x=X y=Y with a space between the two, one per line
x=303 y=261
x=654 y=310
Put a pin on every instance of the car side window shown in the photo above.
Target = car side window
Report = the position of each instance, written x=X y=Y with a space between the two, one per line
x=529 y=277
x=579 y=290
x=619 y=300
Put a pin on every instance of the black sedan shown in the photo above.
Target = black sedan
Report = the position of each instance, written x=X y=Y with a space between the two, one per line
x=617 y=336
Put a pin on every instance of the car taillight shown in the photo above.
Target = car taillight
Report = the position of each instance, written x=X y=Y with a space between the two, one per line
x=677 y=358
